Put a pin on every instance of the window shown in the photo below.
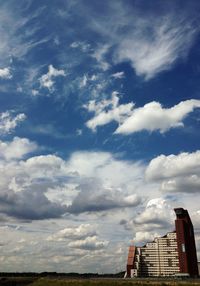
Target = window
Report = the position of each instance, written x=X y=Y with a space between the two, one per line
x=183 y=247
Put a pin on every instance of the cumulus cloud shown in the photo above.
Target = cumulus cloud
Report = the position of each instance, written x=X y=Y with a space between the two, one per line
x=89 y=243
x=83 y=237
x=49 y=164
x=99 y=189
x=101 y=199
x=152 y=116
x=75 y=233
x=112 y=181
x=17 y=148
x=8 y=122
x=29 y=204
x=25 y=182
x=158 y=213
x=182 y=164
x=47 y=81
x=22 y=246
x=190 y=184
x=104 y=166
x=154 y=219
x=100 y=184
x=176 y=173
x=58 y=186
x=108 y=110
x=142 y=237
x=5 y=73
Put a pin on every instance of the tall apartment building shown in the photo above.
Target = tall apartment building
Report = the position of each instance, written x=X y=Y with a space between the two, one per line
x=172 y=254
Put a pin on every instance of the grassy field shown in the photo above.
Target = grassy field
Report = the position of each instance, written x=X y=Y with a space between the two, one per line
x=16 y=281
x=106 y=282
x=93 y=282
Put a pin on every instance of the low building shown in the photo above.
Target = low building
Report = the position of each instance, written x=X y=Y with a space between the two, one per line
x=174 y=254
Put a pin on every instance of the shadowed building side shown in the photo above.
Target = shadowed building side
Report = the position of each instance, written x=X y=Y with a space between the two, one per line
x=186 y=243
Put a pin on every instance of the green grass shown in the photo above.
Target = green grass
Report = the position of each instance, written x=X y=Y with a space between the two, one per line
x=105 y=282
x=35 y=281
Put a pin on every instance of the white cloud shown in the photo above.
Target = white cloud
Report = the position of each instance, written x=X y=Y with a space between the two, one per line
x=153 y=220
x=152 y=43
x=60 y=186
x=56 y=41
x=118 y=75
x=188 y=184
x=84 y=81
x=99 y=173
x=34 y=92
x=49 y=165
x=99 y=54
x=19 y=89
x=89 y=243
x=152 y=116
x=24 y=183
x=79 y=132
x=74 y=233
x=108 y=110
x=196 y=221
x=142 y=237
x=5 y=73
x=93 y=77
x=14 y=43
x=17 y=148
x=163 y=167
x=103 y=199
x=104 y=166
x=81 y=45
x=47 y=81
x=117 y=184
x=158 y=213
x=149 y=54
x=24 y=189
x=104 y=188
x=176 y=173
x=89 y=80
x=8 y=123
x=197 y=240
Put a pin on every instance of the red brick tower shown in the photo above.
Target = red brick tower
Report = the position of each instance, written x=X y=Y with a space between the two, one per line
x=130 y=261
x=186 y=243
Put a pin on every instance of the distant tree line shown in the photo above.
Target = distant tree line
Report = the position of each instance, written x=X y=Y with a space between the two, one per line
x=56 y=274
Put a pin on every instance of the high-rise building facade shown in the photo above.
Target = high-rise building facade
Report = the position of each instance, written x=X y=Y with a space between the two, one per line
x=172 y=254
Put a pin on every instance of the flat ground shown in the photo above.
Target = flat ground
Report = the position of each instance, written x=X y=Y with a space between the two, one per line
x=92 y=282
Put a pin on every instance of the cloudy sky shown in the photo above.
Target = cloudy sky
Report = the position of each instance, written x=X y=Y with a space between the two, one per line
x=99 y=129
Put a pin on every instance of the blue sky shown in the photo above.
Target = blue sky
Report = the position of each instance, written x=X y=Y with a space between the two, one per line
x=99 y=129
